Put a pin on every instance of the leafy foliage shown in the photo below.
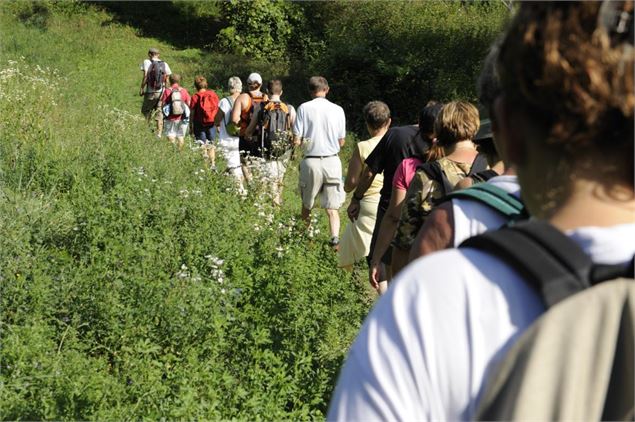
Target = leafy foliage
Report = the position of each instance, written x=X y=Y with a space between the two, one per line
x=261 y=29
x=134 y=283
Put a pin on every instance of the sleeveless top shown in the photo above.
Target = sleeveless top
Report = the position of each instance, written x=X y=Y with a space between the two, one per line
x=365 y=148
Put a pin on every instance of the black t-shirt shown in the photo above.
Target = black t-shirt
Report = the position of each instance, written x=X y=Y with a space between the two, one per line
x=396 y=145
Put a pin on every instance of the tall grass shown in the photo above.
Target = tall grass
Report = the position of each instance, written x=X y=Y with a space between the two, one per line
x=134 y=283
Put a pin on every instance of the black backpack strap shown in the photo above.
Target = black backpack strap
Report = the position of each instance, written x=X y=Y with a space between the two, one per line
x=483 y=176
x=478 y=165
x=551 y=263
x=433 y=170
x=494 y=197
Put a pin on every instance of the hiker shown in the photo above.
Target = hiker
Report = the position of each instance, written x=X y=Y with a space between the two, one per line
x=270 y=126
x=155 y=74
x=320 y=129
x=241 y=116
x=401 y=180
x=567 y=98
x=397 y=144
x=355 y=242
x=228 y=132
x=455 y=127
x=175 y=105
x=468 y=212
x=204 y=106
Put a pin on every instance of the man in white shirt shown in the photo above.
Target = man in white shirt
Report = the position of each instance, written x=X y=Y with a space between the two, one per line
x=320 y=127
x=155 y=74
x=425 y=350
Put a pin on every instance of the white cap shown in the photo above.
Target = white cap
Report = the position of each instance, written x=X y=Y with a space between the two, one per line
x=254 y=77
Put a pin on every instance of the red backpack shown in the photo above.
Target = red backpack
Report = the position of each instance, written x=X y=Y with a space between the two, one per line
x=207 y=107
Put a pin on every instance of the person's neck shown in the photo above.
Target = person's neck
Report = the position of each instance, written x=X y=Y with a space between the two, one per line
x=378 y=132
x=461 y=151
x=319 y=94
x=274 y=97
x=256 y=93
x=590 y=204
x=202 y=90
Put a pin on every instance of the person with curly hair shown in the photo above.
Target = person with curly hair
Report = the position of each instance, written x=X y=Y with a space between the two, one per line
x=565 y=121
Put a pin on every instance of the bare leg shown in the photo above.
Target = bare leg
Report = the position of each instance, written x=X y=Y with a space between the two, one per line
x=334 y=222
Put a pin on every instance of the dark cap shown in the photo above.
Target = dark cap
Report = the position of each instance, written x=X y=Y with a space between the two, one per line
x=153 y=51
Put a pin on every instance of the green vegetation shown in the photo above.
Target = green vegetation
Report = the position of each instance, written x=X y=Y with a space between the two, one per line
x=133 y=282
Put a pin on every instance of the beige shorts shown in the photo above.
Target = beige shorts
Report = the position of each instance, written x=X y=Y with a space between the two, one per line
x=151 y=103
x=321 y=176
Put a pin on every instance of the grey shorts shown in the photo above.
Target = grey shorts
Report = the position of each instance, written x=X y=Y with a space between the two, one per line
x=321 y=176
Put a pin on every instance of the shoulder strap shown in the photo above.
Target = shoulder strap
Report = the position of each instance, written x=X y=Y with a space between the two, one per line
x=228 y=115
x=550 y=262
x=478 y=165
x=433 y=170
x=496 y=198
x=483 y=176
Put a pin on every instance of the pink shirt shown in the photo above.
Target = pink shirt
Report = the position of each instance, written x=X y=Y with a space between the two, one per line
x=405 y=172
x=185 y=96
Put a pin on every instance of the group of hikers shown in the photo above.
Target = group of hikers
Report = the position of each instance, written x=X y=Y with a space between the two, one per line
x=517 y=218
x=252 y=126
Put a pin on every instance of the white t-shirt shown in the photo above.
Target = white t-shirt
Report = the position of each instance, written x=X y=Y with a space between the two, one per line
x=472 y=217
x=321 y=124
x=423 y=352
x=226 y=106
x=146 y=65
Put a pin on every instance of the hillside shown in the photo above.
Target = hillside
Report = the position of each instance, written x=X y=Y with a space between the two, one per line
x=134 y=282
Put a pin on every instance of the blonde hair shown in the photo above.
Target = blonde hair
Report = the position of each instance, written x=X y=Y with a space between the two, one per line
x=457 y=121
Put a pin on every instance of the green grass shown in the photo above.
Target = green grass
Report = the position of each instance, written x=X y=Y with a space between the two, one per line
x=135 y=284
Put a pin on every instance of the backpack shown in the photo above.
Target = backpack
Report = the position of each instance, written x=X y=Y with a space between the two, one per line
x=273 y=127
x=156 y=75
x=495 y=198
x=434 y=171
x=177 y=107
x=208 y=107
x=245 y=116
x=575 y=362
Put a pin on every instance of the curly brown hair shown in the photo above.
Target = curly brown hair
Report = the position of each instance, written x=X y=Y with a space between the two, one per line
x=561 y=65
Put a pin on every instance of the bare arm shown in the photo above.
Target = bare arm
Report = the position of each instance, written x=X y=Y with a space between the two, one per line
x=237 y=109
x=144 y=80
x=365 y=181
x=355 y=167
x=437 y=232
x=341 y=141
x=387 y=230
x=220 y=115
x=389 y=224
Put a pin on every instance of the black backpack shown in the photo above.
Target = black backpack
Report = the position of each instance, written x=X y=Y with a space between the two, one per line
x=156 y=75
x=273 y=129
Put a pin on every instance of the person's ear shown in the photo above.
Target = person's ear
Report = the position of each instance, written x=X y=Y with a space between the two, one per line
x=510 y=136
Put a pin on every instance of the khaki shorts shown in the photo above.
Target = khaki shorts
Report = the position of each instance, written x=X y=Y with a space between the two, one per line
x=150 y=103
x=321 y=176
